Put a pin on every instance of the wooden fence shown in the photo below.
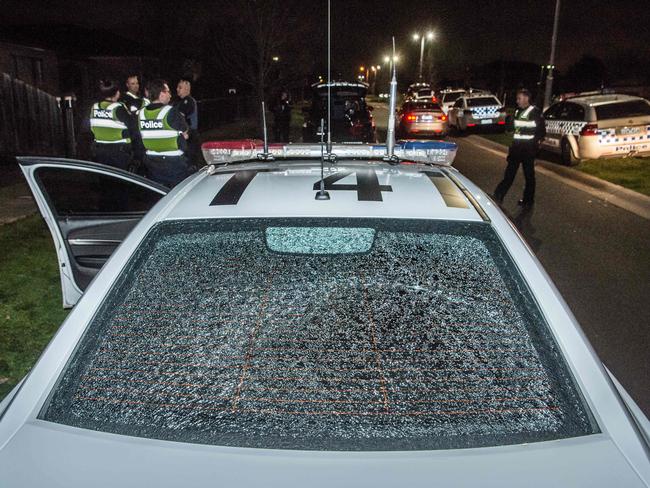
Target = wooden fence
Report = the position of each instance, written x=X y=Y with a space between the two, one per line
x=31 y=121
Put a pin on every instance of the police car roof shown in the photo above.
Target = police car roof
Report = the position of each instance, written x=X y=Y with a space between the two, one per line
x=357 y=188
x=602 y=99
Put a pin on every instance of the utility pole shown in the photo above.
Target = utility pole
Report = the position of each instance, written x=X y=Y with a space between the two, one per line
x=421 y=56
x=551 y=65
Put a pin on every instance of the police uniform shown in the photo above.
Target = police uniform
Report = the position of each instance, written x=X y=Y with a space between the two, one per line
x=134 y=103
x=188 y=108
x=161 y=128
x=113 y=129
x=529 y=130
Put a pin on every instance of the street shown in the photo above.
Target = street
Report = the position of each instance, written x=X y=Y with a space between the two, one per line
x=596 y=254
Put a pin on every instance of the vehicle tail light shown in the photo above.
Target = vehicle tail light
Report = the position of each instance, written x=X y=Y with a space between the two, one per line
x=411 y=118
x=589 y=130
x=501 y=122
x=471 y=125
x=442 y=117
x=434 y=99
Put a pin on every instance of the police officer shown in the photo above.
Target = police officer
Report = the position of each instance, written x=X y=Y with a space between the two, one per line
x=133 y=102
x=282 y=118
x=164 y=134
x=186 y=104
x=112 y=128
x=529 y=131
x=131 y=97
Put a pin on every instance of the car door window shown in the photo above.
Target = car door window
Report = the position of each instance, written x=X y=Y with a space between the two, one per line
x=80 y=193
x=553 y=111
x=574 y=111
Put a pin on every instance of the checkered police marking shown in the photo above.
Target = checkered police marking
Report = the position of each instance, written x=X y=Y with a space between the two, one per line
x=564 y=127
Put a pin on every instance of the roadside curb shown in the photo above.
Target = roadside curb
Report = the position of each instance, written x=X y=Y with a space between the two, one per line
x=612 y=193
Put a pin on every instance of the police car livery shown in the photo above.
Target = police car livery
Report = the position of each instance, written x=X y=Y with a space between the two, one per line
x=591 y=126
x=275 y=320
x=475 y=110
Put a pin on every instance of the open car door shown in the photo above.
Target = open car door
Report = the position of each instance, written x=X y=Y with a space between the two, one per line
x=89 y=208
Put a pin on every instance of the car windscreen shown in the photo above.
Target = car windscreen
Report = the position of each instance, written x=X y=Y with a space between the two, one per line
x=424 y=93
x=632 y=108
x=323 y=334
x=421 y=106
x=482 y=101
x=451 y=97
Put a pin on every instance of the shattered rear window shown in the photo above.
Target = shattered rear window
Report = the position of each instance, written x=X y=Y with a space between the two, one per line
x=256 y=333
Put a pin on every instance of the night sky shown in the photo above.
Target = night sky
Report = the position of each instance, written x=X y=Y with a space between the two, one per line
x=468 y=32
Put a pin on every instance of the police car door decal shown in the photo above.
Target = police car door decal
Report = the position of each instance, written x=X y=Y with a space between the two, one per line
x=368 y=188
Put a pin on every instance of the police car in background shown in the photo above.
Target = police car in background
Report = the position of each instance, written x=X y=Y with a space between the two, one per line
x=277 y=321
x=477 y=110
x=596 y=125
x=448 y=97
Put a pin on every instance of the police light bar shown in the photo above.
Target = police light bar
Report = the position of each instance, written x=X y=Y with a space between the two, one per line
x=426 y=152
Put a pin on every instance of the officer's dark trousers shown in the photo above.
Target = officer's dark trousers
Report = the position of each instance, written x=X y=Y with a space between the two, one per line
x=167 y=170
x=523 y=154
x=116 y=155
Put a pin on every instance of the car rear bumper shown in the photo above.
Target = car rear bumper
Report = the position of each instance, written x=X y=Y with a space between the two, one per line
x=594 y=147
x=426 y=128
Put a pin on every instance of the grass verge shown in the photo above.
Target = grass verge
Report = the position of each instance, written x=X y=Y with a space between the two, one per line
x=632 y=173
x=30 y=297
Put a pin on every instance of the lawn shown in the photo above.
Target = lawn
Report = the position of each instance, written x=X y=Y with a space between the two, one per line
x=30 y=297
x=632 y=173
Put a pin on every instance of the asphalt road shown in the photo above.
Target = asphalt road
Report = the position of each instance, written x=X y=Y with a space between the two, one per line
x=597 y=254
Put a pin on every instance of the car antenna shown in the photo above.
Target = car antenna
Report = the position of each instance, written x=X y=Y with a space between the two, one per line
x=266 y=155
x=321 y=194
x=329 y=79
x=392 y=106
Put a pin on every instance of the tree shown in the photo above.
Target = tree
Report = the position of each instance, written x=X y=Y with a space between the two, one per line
x=588 y=73
x=261 y=43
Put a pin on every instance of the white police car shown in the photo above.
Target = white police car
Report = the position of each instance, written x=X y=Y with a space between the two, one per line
x=598 y=125
x=248 y=331
x=476 y=110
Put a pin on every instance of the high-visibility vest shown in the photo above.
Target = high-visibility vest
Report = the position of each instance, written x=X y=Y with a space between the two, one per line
x=105 y=125
x=141 y=102
x=158 y=137
x=524 y=127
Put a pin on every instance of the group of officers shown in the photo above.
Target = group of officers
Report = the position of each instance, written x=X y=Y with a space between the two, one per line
x=159 y=137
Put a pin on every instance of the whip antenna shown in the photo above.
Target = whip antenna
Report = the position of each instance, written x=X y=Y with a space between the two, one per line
x=266 y=156
x=321 y=194
x=329 y=77
x=390 y=135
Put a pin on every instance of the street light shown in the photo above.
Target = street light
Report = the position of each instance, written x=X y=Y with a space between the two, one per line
x=276 y=58
x=421 y=37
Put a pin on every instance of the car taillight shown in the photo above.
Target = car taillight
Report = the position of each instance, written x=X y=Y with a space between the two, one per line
x=442 y=117
x=589 y=130
x=434 y=99
x=411 y=118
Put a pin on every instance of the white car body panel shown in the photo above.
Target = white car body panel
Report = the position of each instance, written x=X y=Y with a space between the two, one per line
x=34 y=452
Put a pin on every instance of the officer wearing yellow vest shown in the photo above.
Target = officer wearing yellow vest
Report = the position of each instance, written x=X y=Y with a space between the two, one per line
x=529 y=132
x=112 y=127
x=164 y=134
